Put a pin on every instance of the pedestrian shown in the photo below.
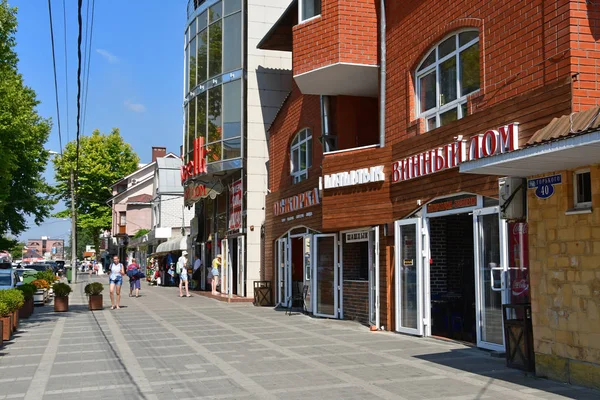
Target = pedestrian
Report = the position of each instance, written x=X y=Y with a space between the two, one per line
x=133 y=272
x=183 y=275
x=214 y=272
x=115 y=281
x=197 y=273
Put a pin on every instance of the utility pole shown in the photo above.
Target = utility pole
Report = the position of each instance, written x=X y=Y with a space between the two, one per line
x=73 y=231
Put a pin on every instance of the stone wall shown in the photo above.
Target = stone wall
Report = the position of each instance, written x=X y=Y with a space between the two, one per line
x=564 y=253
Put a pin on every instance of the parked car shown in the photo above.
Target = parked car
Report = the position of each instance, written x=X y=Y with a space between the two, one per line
x=24 y=271
x=9 y=277
x=40 y=267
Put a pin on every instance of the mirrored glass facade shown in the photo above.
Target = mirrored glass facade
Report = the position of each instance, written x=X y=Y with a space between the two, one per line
x=213 y=106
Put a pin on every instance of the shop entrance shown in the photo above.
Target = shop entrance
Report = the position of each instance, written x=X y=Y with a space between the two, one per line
x=293 y=266
x=451 y=271
x=234 y=278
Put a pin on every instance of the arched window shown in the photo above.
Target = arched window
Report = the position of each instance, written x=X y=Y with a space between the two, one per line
x=301 y=155
x=445 y=77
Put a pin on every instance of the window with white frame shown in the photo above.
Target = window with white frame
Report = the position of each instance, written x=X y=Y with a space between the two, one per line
x=445 y=77
x=301 y=155
x=582 y=185
x=309 y=9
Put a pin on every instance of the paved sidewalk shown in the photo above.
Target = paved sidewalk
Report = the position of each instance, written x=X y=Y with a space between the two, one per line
x=160 y=346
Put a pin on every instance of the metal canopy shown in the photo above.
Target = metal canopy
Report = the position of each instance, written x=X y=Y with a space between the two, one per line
x=177 y=244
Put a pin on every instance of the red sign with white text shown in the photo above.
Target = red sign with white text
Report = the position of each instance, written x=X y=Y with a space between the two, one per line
x=492 y=142
x=235 y=206
x=197 y=165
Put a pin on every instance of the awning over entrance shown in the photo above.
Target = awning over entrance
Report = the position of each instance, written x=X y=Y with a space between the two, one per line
x=567 y=142
x=176 y=244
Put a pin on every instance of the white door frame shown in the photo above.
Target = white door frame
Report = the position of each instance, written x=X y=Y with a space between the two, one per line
x=420 y=255
x=241 y=279
x=336 y=276
x=503 y=235
x=283 y=243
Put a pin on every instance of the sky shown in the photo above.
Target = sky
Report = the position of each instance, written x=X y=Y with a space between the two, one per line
x=135 y=80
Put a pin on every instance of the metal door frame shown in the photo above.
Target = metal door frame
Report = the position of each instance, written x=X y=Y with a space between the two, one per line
x=336 y=276
x=241 y=270
x=505 y=296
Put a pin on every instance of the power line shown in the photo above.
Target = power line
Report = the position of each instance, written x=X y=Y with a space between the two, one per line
x=79 y=20
x=66 y=68
x=89 y=57
x=55 y=81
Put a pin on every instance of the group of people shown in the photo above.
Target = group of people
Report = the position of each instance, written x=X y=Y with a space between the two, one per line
x=179 y=272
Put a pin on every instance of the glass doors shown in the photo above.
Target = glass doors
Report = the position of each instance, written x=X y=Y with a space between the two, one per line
x=241 y=273
x=374 y=277
x=490 y=276
x=409 y=276
x=326 y=276
x=284 y=279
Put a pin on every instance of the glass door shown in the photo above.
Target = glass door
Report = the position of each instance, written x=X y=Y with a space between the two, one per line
x=325 y=276
x=284 y=287
x=409 y=276
x=307 y=268
x=225 y=262
x=490 y=277
x=374 y=277
x=241 y=273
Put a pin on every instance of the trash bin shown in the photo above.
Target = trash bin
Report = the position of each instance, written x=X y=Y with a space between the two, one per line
x=69 y=273
x=262 y=293
x=518 y=336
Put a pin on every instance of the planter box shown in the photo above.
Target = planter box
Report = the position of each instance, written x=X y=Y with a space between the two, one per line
x=1 y=335
x=39 y=297
x=15 y=320
x=6 y=327
x=95 y=302
x=27 y=309
x=61 y=304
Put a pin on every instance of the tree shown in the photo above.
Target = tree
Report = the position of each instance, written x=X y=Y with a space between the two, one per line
x=104 y=159
x=16 y=251
x=23 y=134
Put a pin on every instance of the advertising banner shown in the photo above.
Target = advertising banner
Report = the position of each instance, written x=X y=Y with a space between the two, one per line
x=235 y=206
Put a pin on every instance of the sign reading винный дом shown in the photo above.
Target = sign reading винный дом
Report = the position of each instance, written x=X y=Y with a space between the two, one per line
x=297 y=202
x=544 y=187
x=492 y=142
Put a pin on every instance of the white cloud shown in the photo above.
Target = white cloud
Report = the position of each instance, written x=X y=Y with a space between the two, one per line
x=135 y=107
x=111 y=58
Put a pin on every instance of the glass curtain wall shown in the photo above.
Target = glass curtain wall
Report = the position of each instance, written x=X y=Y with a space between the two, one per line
x=213 y=81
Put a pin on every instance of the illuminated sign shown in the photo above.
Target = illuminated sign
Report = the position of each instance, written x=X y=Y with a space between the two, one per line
x=351 y=178
x=492 y=142
x=197 y=165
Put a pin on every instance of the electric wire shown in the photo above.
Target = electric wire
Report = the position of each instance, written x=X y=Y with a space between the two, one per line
x=89 y=57
x=79 y=20
x=55 y=80
x=66 y=69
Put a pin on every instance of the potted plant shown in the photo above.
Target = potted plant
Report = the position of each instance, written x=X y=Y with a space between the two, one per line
x=49 y=277
x=5 y=321
x=61 y=296
x=94 y=292
x=41 y=295
x=28 y=291
x=14 y=300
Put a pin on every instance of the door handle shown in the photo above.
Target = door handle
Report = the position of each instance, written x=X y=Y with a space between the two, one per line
x=493 y=279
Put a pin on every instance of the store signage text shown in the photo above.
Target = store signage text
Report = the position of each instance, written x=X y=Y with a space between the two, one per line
x=452 y=204
x=544 y=187
x=356 y=177
x=492 y=142
x=235 y=205
x=297 y=202
x=197 y=165
x=354 y=237
x=194 y=192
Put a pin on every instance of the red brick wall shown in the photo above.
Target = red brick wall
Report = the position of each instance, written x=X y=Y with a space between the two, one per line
x=524 y=45
x=356 y=301
x=585 y=53
x=346 y=31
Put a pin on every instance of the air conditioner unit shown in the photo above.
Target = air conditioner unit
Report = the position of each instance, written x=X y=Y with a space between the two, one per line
x=134 y=181
x=512 y=197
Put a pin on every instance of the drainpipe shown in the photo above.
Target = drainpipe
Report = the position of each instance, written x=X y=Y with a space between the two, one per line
x=325 y=122
x=382 y=73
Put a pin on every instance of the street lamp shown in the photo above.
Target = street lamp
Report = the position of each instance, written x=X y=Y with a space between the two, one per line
x=73 y=224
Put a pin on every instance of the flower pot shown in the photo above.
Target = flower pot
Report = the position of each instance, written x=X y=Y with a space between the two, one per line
x=38 y=297
x=27 y=309
x=95 y=302
x=15 y=320
x=6 y=327
x=61 y=304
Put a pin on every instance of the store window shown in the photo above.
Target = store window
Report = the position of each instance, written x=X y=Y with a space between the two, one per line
x=582 y=184
x=309 y=9
x=301 y=155
x=445 y=77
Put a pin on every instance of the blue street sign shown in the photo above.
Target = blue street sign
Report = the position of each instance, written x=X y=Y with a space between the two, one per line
x=544 y=187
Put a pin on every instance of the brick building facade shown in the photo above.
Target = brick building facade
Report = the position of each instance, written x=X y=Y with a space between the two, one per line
x=466 y=84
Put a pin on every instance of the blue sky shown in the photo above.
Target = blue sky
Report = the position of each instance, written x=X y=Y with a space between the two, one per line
x=136 y=78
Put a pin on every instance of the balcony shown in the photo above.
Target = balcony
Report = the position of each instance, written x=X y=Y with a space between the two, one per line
x=122 y=229
x=334 y=52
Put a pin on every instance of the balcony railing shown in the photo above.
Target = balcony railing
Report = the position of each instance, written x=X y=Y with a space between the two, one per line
x=122 y=229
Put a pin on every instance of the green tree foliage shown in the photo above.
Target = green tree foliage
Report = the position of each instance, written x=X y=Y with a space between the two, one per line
x=104 y=159
x=23 y=134
x=16 y=251
x=140 y=233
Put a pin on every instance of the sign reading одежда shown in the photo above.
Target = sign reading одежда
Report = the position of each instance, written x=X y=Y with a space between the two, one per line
x=492 y=142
